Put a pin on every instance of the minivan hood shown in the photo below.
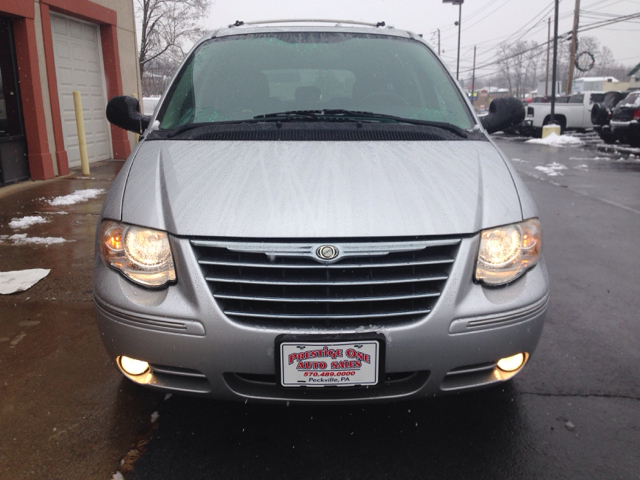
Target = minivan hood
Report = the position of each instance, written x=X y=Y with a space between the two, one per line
x=252 y=189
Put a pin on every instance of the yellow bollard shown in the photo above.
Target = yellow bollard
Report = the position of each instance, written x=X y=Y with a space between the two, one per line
x=549 y=129
x=137 y=135
x=82 y=139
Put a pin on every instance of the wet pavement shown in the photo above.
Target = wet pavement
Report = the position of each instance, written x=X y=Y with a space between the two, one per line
x=65 y=412
x=505 y=433
x=610 y=175
x=574 y=412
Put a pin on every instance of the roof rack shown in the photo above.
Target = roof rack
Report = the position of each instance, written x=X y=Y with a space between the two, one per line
x=240 y=23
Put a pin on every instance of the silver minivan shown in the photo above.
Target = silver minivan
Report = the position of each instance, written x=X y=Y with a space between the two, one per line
x=316 y=214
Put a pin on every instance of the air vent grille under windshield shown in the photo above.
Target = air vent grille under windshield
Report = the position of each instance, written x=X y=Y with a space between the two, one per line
x=336 y=131
x=320 y=135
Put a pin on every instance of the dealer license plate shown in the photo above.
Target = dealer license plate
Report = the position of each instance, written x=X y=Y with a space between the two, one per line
x=322 y=364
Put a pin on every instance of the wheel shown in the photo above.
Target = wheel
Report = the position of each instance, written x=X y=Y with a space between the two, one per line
x=387 y=98
x=563 y=125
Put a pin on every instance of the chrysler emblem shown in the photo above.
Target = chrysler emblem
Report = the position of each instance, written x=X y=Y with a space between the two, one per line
x=327 y=252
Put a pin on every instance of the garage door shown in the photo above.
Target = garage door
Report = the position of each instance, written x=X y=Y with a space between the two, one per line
x=76 y=47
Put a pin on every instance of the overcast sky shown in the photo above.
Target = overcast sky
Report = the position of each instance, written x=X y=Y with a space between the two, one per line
x=485 y=23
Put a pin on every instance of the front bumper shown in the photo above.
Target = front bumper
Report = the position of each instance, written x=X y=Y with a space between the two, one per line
x=194 y=348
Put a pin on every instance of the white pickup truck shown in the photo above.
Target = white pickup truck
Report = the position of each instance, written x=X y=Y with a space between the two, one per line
x=572 y=114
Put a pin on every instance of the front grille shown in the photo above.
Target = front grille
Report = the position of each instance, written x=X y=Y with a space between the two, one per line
x=287 y=284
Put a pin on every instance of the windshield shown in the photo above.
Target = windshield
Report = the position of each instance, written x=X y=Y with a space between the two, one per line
x=239 y=77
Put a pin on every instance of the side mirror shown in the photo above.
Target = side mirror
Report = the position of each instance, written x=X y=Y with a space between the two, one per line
x=124 y=112
x=504 y=112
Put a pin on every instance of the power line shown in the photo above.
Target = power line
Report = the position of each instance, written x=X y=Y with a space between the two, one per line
x=584 y=28
x=540 y=24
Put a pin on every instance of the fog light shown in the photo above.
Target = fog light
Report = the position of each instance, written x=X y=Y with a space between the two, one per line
x=133 y=366
x=511 y=364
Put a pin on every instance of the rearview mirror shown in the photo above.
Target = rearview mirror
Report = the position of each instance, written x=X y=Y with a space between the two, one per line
x=504 y=112
x=124 y=112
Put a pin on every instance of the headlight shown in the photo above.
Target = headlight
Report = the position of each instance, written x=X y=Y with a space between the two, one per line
x=507 y=252
x=141 y=254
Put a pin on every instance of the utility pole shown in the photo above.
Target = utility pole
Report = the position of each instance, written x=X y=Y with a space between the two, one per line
x=574 y=40
x=459 y=25
x=438 y=42
x=546 y=82
x=555 y=64
x=473 y=77
x=459 y=30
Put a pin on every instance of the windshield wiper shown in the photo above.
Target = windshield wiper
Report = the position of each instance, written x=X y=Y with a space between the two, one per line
x=291 y=115
x=305 y=115
x=187 y=126
x=340 y=113
x=323 y=115
x=191 y=126
x=354 y=115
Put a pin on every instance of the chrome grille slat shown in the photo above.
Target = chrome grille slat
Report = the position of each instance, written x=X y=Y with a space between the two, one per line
x=292 y=316
x=279 y=283
x=366 y=248
x=321 y=299
x=259 y=281
x=442 y=261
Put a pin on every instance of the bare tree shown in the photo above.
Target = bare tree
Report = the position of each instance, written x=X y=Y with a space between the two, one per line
x=533 y=64
x=607 y=63
x=165 y=26
x=504 y=60
x=519 y=64
x=157 y=75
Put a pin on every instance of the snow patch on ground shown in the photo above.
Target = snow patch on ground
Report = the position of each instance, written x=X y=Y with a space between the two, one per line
x=117 y=476
x=17 y=340
x=620 y=150
x=552 y=169
x=22 y=239
x=21 y=280
x=76 y=197
x=26 y=222
x=555 y=140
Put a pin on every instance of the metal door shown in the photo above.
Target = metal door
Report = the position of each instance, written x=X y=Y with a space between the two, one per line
x=14 y=163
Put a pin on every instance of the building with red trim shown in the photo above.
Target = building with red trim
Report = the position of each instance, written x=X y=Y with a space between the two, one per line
x=48 y=49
